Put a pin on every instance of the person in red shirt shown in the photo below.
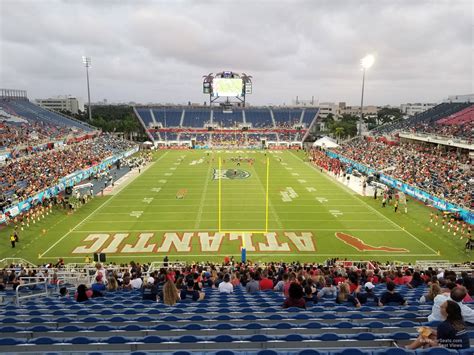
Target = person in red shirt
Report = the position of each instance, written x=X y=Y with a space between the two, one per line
x=266 y=283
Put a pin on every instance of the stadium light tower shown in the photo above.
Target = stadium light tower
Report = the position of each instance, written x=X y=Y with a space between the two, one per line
x=87 y=62
x=366 y=63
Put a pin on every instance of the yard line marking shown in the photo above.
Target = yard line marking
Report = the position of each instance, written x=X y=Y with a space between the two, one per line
x=203 y=198
x=354 y=195
x=101 y=206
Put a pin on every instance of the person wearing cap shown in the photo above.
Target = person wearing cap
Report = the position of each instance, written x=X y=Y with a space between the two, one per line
x=368 y=295
x=149 y=290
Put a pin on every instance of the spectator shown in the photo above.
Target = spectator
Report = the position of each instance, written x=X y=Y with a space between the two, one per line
x=391 y=296
x=451 y=333
x=191 y=292
x=310 y=297
x=368 y=295
x=434 y=291
x=225 y=286
x=280 y=284
x=457 y=295
x=344 y=295
x=170 y=293
x=98 y=286
x=266 y=283
x=149 y=291
x=112 y=284
x=416 y=280
x=136 y=282
x=328 y=290
x=295 y=297
x=83 y=294
x=253 y=285
x=63 y=292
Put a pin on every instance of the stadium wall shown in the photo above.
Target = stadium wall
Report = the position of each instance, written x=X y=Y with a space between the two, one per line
x=70 y=180
x=414 y=192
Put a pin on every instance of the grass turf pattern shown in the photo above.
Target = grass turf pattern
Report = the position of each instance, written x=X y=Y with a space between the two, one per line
x=171 y=209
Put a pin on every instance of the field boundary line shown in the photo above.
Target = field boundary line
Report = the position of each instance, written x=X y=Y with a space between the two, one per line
x=100 y=207
x=355 y=196
x=144 y=230
x=269 y=254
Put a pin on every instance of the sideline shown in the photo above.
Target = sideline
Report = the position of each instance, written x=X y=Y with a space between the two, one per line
x=97 y=209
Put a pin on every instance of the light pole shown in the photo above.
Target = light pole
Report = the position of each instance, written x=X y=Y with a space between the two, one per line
x=87 y=62
x=366 y=63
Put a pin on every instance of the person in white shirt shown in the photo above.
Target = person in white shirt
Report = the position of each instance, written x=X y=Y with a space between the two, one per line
x=136 y=282
x=457 y=295
x=225 y=286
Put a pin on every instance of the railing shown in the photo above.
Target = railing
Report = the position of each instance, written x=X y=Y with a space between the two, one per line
x=16 y=261
x=43 y=292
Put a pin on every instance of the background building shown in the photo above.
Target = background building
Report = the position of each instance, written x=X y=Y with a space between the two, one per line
x=70 y=104
x=415 y=108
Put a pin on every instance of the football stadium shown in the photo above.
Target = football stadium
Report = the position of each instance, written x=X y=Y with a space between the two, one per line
x=230 y=226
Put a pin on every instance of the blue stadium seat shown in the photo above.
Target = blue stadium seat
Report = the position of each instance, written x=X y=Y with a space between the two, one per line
x=401 y=336
x=9 y=341
x=393 y=351
x=152 y=339
x=328 y=337
x=294 y=337
x=437 y=351
x=267 y=352
x=116 y=340
x=102 y=328
x=187 y=339
x=81 y=340
x=310 y=352
x=223 y=339
x=44 y=341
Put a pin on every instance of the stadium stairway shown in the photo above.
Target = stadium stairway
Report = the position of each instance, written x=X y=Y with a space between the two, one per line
x=239 y=323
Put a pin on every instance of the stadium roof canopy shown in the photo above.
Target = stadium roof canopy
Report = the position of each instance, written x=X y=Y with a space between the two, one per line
x=325 y=142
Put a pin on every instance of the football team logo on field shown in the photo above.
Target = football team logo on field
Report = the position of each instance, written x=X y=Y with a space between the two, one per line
x=230 y=174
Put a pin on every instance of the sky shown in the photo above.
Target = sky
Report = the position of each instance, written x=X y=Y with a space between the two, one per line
x=157 y=51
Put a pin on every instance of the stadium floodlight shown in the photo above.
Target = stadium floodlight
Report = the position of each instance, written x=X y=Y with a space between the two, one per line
x=87 y=62
x=366 y=63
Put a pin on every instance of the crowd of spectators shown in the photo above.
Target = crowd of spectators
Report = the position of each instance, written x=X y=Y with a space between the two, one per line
x=22 y=178
x=443 y=174
x=30 y=134
x=459 y=131
x=302 y=285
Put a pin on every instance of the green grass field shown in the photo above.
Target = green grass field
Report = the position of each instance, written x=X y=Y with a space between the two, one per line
x=145 y=220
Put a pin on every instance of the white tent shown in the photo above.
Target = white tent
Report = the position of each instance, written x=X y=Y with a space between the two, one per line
x=325 y=142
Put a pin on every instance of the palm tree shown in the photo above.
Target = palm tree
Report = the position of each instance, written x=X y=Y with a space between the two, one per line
x=339 y=132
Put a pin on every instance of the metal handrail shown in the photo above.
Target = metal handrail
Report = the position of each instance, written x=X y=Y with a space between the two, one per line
x=36 y=294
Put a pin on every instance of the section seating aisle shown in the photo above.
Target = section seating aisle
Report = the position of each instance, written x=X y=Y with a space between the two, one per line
x=236 y=323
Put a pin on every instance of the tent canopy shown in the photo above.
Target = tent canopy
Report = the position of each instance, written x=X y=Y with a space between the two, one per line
x=325 y=142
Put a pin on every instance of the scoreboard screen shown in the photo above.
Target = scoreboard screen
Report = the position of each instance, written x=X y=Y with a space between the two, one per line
x=227 y=87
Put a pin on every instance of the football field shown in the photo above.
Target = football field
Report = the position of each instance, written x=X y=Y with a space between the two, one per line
x=205 y=205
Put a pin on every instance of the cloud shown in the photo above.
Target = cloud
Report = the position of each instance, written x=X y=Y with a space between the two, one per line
x=157 y=51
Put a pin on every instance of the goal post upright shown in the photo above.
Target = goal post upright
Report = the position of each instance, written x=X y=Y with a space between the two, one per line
x=266 y=195
x=219 y=193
